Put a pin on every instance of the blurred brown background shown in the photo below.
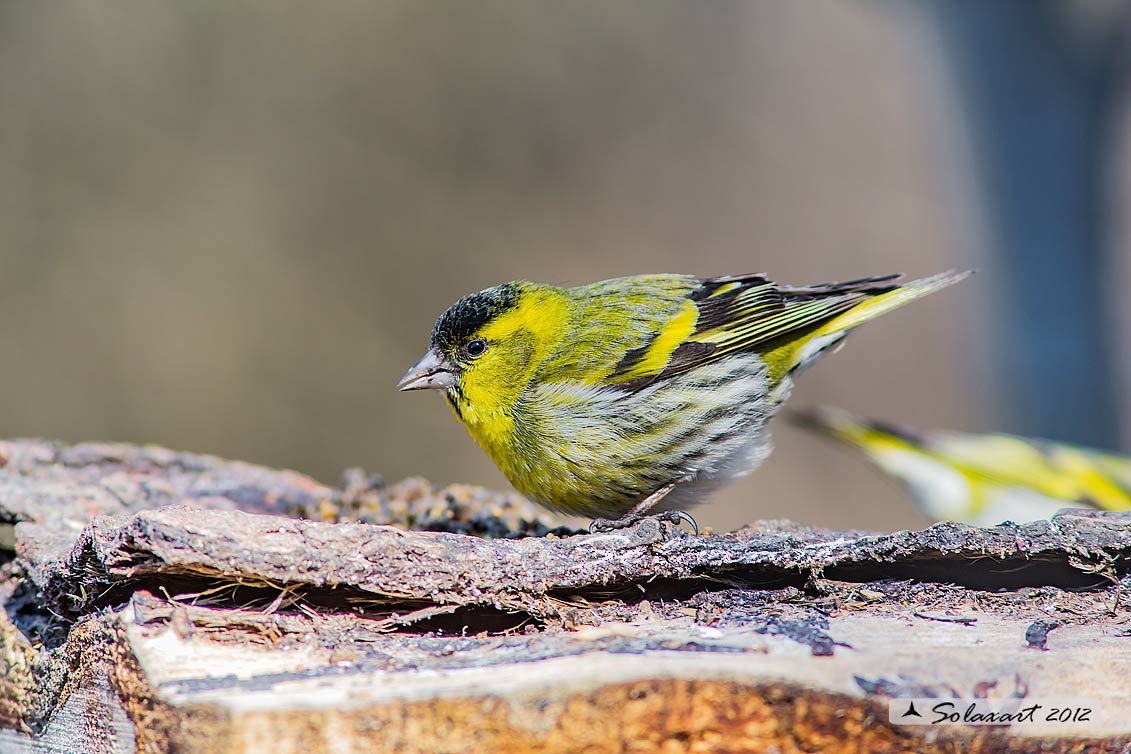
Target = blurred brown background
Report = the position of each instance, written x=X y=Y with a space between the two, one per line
x=228 y=227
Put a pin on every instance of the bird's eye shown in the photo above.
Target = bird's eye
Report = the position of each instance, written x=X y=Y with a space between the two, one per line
x=475 y=347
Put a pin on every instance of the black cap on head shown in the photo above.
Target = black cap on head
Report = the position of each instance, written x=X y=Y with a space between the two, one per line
x=470 y=313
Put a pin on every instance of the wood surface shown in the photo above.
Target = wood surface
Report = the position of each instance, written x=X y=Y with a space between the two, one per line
x=160 y=601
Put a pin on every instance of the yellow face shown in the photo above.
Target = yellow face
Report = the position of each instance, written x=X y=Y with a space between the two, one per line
x=485 y=350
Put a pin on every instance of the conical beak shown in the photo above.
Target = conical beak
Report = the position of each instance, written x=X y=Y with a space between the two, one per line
x=430 y=373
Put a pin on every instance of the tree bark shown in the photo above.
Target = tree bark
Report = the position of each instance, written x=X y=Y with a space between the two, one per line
x=160 y=601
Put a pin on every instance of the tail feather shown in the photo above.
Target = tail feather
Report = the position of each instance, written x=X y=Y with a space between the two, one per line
x=857 y=302
x=863 y=433
x=883 y=303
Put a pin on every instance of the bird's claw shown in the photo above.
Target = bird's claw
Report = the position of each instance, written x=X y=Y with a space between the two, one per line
x=604 y=525
x=676 y=516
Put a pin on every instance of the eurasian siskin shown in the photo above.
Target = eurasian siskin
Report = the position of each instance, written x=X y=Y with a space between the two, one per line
x=983 y=479
x=605 y=399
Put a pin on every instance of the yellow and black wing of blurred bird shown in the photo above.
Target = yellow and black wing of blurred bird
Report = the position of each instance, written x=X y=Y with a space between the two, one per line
x=983 y=479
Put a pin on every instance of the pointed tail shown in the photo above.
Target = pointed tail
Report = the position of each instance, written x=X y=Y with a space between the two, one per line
x=883 y=303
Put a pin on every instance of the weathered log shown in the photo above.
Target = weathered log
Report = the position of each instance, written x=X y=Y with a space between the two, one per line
x=160 y=601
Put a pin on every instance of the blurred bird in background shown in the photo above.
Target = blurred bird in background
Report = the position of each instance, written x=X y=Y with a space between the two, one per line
x=981 y=479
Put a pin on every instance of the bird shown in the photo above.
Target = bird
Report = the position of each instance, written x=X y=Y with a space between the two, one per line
x=637 y=395
x=981 y=479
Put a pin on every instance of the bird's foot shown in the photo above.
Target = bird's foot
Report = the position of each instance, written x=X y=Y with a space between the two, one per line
x=640 y=512
x=603 y=525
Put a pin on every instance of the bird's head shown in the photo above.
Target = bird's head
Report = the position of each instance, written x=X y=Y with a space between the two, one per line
x=486 y=347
